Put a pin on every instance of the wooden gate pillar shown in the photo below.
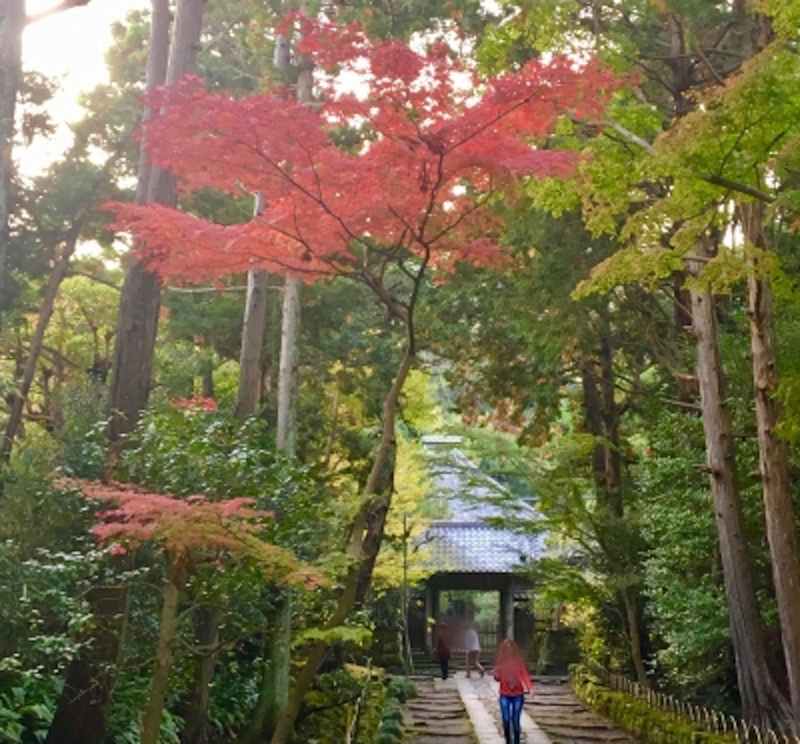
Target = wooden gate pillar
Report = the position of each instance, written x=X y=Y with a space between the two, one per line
x=507 y=611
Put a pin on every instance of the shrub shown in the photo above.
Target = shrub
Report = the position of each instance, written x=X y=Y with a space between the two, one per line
x=401 y=689
x=648 y=725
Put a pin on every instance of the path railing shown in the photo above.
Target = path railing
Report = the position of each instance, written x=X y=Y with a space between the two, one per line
x=704 y=719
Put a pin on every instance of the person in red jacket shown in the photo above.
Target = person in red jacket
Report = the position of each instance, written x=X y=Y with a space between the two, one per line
x=442 y=649
x=512 y=674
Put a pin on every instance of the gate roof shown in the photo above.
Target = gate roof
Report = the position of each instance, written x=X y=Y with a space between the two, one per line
x=471 y=532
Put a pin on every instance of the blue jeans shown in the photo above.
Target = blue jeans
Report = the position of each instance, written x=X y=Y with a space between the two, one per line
x=511 y=710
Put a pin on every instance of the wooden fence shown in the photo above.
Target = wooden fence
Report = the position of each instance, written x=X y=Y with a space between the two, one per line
x=704 y=719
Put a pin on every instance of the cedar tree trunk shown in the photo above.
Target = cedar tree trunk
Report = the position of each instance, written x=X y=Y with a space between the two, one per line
x=274 y=694
x=141 y=292
x=779 y=512
x=83 y=705
x=601 y=419
x=248 y=393
x=207 y=621
x=630 y=599
x=286 y=433
x=287 y=372
x=762 y=702
x=92 y=672
x=290 y=316
x=12 y=22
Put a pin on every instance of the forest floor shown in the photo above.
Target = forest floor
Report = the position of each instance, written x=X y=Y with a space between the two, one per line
x=465 y=711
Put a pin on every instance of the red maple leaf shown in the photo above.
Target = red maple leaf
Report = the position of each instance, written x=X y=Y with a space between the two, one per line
x=441 y=142
x=186 y=527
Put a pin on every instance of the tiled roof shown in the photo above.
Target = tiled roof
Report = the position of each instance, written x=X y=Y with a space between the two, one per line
x=465 y=536
x=475 y=547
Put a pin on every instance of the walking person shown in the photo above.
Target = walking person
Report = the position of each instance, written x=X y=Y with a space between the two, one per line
x=512 y=674
x=442 y=648
x=472 y=645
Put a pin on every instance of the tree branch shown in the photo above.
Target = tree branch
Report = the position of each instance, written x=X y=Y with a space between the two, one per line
x=202 y=290
x=711 y=178
x=742 y=188
x=60 y=8
x=94 y=278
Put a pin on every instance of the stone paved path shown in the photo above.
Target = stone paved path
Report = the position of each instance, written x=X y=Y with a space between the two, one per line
x=466 y=711
x=487 y=691
x=565 y=719
x=437 y=714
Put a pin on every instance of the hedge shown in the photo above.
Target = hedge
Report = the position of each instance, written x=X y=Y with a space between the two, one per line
x=647 y=725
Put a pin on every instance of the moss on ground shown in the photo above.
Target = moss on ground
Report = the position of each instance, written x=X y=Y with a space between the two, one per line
x=647 y=725
x=390 y=729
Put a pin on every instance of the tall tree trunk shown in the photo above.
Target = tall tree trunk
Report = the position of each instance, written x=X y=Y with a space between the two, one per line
x=286 y=433
x=207 y=377
x=96 y=671
x=12 y=23
x=610 y=417
x=273 y=695
x=779 y=512
x=141 y=292
x=630 y=600
x=762 y=702
x=248 y=393
x=207 y=621
x=167 y=630
x=593 y=419
x=287 y=373
x=365 y=544
x=278 y=677
x=601 y=413
x=35 y=349
x=290 y=316
x=83 y=705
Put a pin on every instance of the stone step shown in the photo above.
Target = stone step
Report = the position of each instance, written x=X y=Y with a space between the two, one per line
x=465 y=711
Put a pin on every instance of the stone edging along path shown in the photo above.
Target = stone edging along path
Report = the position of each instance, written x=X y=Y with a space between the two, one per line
x=465 y=711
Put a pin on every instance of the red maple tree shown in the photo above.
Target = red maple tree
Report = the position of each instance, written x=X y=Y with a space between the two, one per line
x=186 y=531
x=187 y=527
x=413 y=190
x=436 y=142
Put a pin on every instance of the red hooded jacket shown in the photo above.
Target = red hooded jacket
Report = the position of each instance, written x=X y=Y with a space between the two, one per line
x=512 y=674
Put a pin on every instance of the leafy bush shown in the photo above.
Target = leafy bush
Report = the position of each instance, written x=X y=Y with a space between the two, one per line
x=43 y=624
x=26 y=707
x=401 y=689
x=81 y=439
x=189 y=449
x=328 y=708
x=647 y=725
x=398 y=691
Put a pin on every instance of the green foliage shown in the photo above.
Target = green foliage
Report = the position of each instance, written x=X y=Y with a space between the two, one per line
x=398 y=691
x=187 y=451
x=684 y=586
x=789 y=397
x=82 y=435
x=44 y=619
x=329 y=708
x=648 y=725
x=686 y=598
x=349 y=350
x=785 y=14
x=26 y=708
x=341 y=634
